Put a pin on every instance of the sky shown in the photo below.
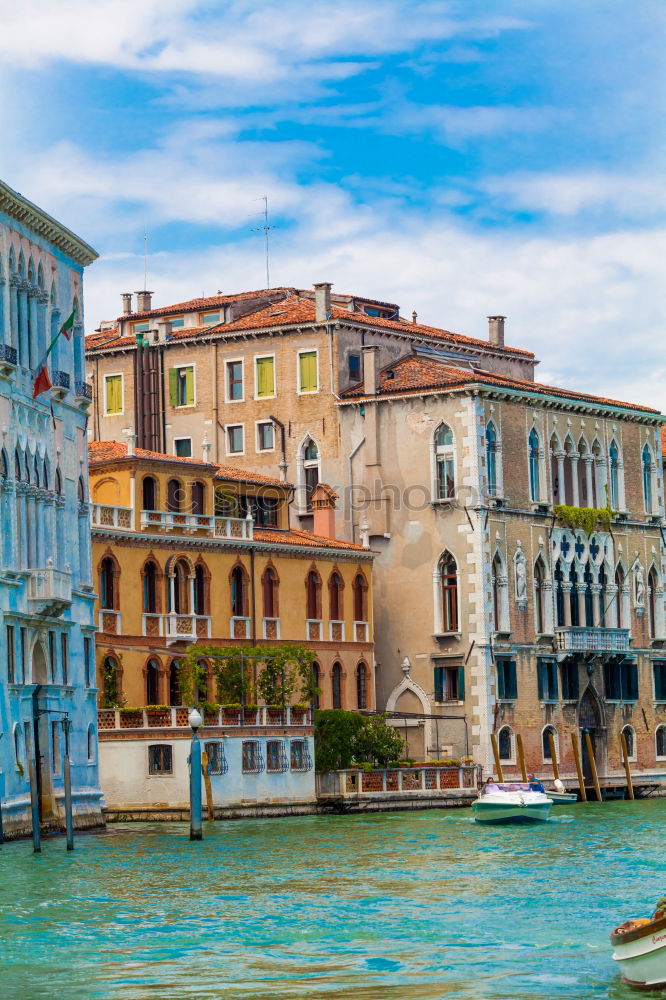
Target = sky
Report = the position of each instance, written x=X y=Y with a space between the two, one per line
x=459 y=158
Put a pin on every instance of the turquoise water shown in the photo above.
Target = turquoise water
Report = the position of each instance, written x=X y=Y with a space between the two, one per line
x=418 y=905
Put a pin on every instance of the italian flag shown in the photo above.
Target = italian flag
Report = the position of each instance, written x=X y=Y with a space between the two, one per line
x=42 y=382
x=66 y=327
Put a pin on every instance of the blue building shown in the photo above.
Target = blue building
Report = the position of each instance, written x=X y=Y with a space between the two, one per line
x=47 y=674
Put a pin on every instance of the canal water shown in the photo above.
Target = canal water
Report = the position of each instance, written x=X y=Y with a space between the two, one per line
x=387 y=906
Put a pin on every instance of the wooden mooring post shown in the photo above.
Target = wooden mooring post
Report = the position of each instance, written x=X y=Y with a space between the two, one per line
x=209 y=790
x=627 y=770
x=593 y=765
x=579 y=769
x=498 y=766
x=553 y=755
x=34 y=808
x=521 y=756
x=69 y=814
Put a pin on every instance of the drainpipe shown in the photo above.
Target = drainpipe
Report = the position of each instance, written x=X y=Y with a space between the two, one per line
x=214 y=353
x=254 y=605
x=350 y=459
x=283 y=464
x=162 y=401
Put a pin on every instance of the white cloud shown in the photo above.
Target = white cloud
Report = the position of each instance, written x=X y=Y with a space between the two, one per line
x=638 y=195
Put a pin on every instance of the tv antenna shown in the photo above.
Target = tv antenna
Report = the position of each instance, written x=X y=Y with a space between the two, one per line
x=145 y=261
x=265 y=229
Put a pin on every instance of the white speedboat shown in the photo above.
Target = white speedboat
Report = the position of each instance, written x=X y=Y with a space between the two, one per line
x=511 y=803
x=562 y=798
x=640 y=950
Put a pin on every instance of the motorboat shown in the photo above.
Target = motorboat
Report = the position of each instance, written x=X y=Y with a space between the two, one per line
x=561 y=798
x=640 y=950
x=511 y=803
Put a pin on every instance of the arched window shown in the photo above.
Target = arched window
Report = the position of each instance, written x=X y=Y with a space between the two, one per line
x=92 y=742
x=660 y=742
x=150 y=588
x=58 y=482
x=110 y=682
x=269 y=584
x=559 y=594
x=630 y=737
x=152 y=683
x=491 y=458
x=336 y=612
x=499 y=592
x=584 y=462
x=81 y=492
x=613 y=479
x=505 y=743
x=5 y=465
x=540 y=619
x=198 y=495
x=181 y=588
x=36 y=472
x=149 y=493
x=313 y=610
x=448 y=574
x=652 y=603
x=173 y=495
x=238 y=593
x=362 y=685
x=199 y=590
x=445 y=476
x=310 y=470
x=545 y=742
x=647 y=479
x=619 y=597
x=202 y=682
x=18 y=745
x=107 y=585
x=557 y=464
x=316 y=678
x=535 y=485
x=174 y=683
x=45 y=475
x=589 y=596
x=336 y=685
x=18 y=470
x=602 y=597
x=40 y=275
x=360 y=591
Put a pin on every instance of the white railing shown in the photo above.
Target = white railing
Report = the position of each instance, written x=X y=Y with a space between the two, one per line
x=271 y=628
x=360 y=631
x=581 y=639
x=234 y=527
x=106 y=516
x=177 y=627
x=49 y=585
x=109 y=621
x=313 y=627
x=153 y=624
x=336 y=631
x=219 y=527
x=239 y=628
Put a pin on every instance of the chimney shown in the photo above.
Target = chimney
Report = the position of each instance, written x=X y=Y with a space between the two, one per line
x=323 y=507
x=144 y=301
x=322 y=301
x=163 y=330
x=127 y=302
x=370 y=370
x=496 y=330
x=131 y=444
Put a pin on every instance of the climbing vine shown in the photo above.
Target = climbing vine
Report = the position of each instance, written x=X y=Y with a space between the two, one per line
x=276 y=674
x=583 y=518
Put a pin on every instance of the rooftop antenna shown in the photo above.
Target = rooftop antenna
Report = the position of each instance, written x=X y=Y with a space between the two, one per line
x=265 y=229
x=145 y=261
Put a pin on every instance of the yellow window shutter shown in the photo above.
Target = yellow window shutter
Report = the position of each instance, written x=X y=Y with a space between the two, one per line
x=308 y=373
x=189 y=386
x=114 y=398
x=265 y=380
x=173 y=386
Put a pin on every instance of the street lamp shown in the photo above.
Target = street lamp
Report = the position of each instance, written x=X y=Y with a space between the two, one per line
x=66 y=723
x=195 y=719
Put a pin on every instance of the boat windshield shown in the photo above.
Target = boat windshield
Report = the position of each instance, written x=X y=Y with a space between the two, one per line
x=513 y=787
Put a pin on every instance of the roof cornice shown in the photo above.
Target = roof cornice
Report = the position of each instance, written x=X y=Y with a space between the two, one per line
x=19 y=208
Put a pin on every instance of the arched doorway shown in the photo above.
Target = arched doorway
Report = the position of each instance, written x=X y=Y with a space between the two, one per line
x=590 y=720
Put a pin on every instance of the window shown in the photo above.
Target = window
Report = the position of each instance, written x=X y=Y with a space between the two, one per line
x=160 y=758
x=307 y=371
x=264 y=511
x=64 y=656
x=310 y=470
x=88 y=661
x=91 y=743
x=335 y=587
x=11 y=655
x=269 y=584
x=659 y=675
x=183 y=447
x=569 y=679
x=540 y=617
x=499 y=593
x=449 y=683
x=113 y=395
x=547 y=732
x=445 y=482
x=362 y=686
x=448 y=572
x=312 y=588
x=336 y=685
x=174 y=495
x=359 y=593
x=181 y=386
x=535 y=486
x=316 y=675
x=56 y=726
x=507 y=687
x=52 y=656
x=251 y=757
x=299 y=756
x=177 y=322
x=647 y=479
x=235 y=439
x=140 y=327
x=491 y=458
x=217 y=763
x=198 y=495
x=660 y=742
x=276 y=759
x=212 y=317
x=107 y=588
x=265 y=436
x=354 y=363
x=652 y=603
x=547 y=679
x=621 y=680
x=234 y=380
x=152 y=683
x=174 y=684
x=23 y=637
x=505 y=743
x=200 y=603
x=630 y=738
x=619 y=597
x=238 y=592
x=264 y=377
x=149 y=493
x=614 y=488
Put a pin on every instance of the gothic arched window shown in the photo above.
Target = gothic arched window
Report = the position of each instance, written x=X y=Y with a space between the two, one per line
x=448 y=572
x=336 y=685
x=152 y=683
x=535 y=486
x=491 y=458
x=336 y=612
x=613 y=485
x=505 y=743
x=445 y=476
x=362 y=685
x=312 y=586
x=647 y=479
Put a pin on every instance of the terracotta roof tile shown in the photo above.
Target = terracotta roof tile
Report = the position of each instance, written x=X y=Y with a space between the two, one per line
x=416 y=374
x=208 y=302
x=295 y=537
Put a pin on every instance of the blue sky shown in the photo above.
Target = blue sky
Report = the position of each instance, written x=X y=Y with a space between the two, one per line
x=460 y=158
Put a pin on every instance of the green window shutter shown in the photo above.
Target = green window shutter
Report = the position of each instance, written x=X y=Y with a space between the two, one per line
x=439 y=683
x=500 y=680
x=461 y=683
x=189 y=386
x=265 y=377
x=513 y=683
x=173 y=386
x=541 y=677
x=308 y=371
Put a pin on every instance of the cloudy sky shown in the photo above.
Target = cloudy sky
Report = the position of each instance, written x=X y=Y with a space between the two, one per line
x=460 y=158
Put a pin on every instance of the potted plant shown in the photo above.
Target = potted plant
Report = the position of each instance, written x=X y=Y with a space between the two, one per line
x=211 y=713
x=231 y=715
x=274 y=715
x=299 y=715
x=131 y=718
x=250 y=715
x=158 y=715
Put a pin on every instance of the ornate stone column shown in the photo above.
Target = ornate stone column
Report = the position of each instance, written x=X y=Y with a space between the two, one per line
x=42 y=301
x=14 y=284
x=613 y=598
x=573 y=458
x=561 y=493
x=589 y=459
x=22 y=524
x=33 y=327
x=566 y=601
x=23 y=331
x=31 y=504
x=597 y=597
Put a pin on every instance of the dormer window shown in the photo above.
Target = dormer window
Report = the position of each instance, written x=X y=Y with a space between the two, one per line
x=212 y=317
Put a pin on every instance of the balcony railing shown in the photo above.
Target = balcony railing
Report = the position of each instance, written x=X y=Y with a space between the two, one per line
x=8 y=355
x=152 y=624
x=582 y=639
x=178 y=627
x=49 y=591
x=83 y=390
x=361 y=631
x=239 y=628
x=176 y=718
x=109 y=621
x=218 y=527
x=336 y=631
x=313 y=629
x=60 y=381
x=271 y=628
x=105 y=516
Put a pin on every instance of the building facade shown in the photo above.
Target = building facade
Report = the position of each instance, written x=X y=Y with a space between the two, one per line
x=47 y=681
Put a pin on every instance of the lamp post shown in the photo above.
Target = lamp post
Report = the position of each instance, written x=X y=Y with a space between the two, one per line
x=67 y=780
x=195 y=719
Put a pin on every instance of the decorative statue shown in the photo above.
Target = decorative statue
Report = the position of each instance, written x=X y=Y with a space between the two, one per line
x=521 y=576
x=640 y=585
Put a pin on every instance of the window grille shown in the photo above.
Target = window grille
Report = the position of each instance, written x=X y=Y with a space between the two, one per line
x=276 y=758
x=253 y=762
x=300 y=756
x=160 y=758
x=217 y=762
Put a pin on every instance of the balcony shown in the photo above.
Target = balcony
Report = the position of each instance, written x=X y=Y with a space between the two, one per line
x=60 y=383
x=109 y=621
x=361 y=631
x=183 y=523
x=8 y=359
x=186 y=627
x=104 y=516
x=581 y=639
x=49 y=591
x=83 y=390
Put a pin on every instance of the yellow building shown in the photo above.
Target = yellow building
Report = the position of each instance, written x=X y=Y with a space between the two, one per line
x=187 y=551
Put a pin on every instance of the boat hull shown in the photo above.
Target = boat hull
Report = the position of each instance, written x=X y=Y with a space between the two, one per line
x=641 y=955
x=491 y=812
x=562 y=798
